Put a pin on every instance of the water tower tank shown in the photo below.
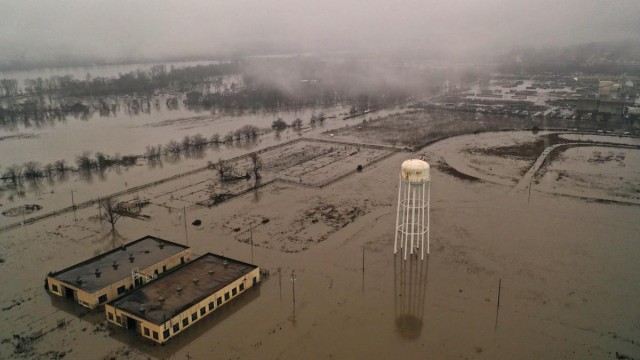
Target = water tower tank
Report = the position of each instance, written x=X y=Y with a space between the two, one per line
x=412 y=219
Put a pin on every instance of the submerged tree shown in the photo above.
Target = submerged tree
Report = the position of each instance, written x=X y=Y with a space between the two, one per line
x=110 y=212
x=224 y=169
x=297 y=124
x=278 y=125
x=256 y=165
x=32 y=170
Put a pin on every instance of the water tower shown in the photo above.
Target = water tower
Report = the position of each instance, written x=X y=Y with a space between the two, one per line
x=412 y=219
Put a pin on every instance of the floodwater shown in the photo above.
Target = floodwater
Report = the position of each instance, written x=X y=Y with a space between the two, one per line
x=567 y=267
x=130 y=134
x=80 y=72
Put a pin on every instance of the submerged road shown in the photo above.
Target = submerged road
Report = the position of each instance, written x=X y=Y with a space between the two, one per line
x=526 y=180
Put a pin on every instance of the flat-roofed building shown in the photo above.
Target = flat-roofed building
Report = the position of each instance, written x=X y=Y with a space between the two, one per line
x=107 y=276
x=170 y=304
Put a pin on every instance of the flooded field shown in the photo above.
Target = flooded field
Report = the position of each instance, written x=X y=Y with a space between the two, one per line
x=567 y=265
x=131 y=135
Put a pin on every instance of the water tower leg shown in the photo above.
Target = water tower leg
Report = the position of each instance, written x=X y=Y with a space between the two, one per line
x=413 y=219
x=422 y=206
x=405 y=223
x=428 y=215
x=395 y=242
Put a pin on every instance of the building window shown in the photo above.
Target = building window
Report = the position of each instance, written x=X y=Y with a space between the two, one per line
x=176 y=328
x=102 y=298
x=155 y=335
x=185 y=322
x=242 y=287
x=219 y=301
x=121 y=290
x=146 y=332
x=181 y=259
x=211 y=306
x=54 y=288
x=110 y=316
x=164 y=268
x=165 y=334
x=226 y=296
x=203 y=311
x=234 y=291
x=155 y=271
x=118 y=320
x=194 y=316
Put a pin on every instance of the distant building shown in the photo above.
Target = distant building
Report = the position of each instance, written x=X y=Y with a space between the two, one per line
x=603 y=107
x=607 y=88
x=633 y=113
x=167 y=306
x=107 y=276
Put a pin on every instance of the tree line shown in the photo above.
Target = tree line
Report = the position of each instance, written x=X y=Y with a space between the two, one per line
x=86 y=162
x=138 y=82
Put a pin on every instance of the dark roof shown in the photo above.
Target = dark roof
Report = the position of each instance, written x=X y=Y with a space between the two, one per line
x=212 y=273
x=146 y=252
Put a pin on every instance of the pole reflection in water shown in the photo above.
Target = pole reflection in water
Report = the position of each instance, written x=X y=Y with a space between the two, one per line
x=410 y=290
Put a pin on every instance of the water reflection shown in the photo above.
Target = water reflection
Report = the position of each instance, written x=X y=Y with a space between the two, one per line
x=410 y=289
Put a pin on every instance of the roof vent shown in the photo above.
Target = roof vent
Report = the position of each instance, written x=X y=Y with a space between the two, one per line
x=225 y=263
x=97 y=272
x=195 y=279
x=210 y=271
x=123 y=248
x=161 y=298
x=161 y=244
x=142 y=309
x=78 y=280
x=131 y=257
x=179 y=287
x=115 y=265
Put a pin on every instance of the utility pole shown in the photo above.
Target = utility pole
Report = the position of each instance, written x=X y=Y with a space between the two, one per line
x=186 y=237
x=363 y=269
x=280 y=281
x=251 y=239
x=293 y=281
x=73 y=205
x=498 y=307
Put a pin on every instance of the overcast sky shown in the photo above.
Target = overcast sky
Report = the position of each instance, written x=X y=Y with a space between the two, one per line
x=153 y=28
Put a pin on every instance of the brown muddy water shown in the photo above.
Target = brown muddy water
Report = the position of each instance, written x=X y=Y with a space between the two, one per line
x=130 y=134
x=568 y=271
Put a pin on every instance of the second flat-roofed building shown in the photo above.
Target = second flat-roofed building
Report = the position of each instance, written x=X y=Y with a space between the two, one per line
x=170 y=304
x=108 y=276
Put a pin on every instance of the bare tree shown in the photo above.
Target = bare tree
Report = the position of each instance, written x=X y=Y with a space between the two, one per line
x=49 y=170
x=228 y=138
x=13 y=173
x=173 y=148
x=110 y=211
x=61 y=166
x=224 y=169
x=186 y=143
x=198 y=141
x=256 y=165
x=278 y=125
x=32 y=170
x=296 y=124
x=84 y=161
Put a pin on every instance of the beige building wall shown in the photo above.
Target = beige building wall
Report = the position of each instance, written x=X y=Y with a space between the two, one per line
x=92 y=300
x=162 y=333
